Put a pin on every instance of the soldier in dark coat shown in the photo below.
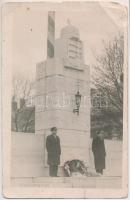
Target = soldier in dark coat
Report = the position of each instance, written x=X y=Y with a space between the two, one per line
x=54 y=151
x=99 y=152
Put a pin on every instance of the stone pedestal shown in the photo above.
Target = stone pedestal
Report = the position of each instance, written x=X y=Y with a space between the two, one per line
x=55 y=99
x=58 y=79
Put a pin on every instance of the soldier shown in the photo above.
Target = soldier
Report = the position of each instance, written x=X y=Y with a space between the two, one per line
x=54 y=151
x=98 y=148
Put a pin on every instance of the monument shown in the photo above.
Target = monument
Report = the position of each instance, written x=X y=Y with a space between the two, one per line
x=63 y=93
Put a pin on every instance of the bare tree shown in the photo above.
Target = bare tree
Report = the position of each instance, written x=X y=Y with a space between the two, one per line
x=108 y=78
x=21 y=87
x=21 y=90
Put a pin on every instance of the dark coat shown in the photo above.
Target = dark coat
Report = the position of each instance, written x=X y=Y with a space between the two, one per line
x=98 y=148
x=54 y=150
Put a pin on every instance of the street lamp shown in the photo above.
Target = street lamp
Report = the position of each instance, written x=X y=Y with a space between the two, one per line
x=77 y=101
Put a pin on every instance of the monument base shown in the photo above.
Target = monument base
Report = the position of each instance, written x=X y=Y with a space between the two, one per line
x=74 y=145
x=28 y=156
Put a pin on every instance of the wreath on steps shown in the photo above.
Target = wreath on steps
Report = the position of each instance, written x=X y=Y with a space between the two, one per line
x=75 y=167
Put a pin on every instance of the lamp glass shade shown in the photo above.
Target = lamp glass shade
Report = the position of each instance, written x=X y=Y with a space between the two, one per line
x=78 y=99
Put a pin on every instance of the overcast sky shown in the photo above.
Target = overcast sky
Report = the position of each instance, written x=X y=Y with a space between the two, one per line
x=26 y=25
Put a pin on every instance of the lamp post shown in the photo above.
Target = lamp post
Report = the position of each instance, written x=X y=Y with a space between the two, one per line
x=77 y=102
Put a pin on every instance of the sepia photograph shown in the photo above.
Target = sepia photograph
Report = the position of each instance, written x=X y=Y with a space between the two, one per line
x=64 y=75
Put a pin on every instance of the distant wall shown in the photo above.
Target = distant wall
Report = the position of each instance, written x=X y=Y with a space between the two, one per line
x=28 y=156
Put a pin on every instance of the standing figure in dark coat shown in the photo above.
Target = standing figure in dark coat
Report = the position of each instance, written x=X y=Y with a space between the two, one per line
x=54 y=151
x=99 y=152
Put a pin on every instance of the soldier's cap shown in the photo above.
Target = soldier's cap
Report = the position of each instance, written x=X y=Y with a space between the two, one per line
x=98 y=132
x=54 y=129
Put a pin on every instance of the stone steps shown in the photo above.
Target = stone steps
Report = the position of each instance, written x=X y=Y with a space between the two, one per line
x=69 y=182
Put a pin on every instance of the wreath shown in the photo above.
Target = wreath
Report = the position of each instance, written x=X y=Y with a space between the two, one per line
x=75 y=166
